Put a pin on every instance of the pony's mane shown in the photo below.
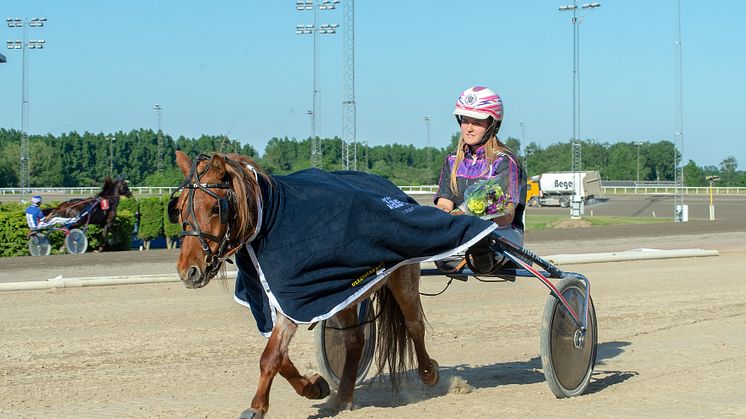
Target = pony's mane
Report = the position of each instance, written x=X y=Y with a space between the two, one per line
x=247 y=189
x=109 y=187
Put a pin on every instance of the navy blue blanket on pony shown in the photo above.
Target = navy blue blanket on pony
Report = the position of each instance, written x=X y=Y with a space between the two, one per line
x=327 y=238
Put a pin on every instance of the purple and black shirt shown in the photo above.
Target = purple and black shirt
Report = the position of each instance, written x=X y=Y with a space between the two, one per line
x=474 y=168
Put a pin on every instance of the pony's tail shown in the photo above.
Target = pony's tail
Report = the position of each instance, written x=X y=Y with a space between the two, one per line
x=393 y=344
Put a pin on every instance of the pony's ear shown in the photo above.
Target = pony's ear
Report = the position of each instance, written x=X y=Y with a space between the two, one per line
x=218 y=165
x=184 y=162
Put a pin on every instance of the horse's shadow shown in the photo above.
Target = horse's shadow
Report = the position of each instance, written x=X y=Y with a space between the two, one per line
x=376 y=392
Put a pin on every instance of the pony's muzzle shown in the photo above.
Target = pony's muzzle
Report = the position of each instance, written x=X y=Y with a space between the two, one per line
x=193 y=278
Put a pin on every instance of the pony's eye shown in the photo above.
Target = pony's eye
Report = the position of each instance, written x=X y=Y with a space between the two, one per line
x=215 y=210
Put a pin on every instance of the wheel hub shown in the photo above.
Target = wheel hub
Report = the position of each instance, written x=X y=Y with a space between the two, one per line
x=579 y=339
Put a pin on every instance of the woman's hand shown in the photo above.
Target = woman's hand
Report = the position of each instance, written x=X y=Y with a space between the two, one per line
x=444 y=204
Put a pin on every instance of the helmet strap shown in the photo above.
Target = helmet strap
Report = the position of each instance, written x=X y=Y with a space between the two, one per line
x=491 y=131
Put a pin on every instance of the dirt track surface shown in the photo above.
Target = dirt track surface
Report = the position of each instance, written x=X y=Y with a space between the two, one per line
x=671 y=344
x=542 y=242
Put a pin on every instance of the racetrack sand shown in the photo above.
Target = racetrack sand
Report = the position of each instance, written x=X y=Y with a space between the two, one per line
x=671 y=344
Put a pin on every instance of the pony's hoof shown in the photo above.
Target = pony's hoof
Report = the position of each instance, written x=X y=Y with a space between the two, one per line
x=430 y=377
x=251 y=414
x=319 y=383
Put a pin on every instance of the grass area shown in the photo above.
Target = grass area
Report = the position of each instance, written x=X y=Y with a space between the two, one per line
x=541 y=222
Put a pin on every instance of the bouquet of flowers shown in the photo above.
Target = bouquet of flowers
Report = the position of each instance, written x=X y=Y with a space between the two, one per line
x=485 y=200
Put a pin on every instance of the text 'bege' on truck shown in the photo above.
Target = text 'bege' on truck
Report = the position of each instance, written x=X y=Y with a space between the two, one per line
x=556 y=188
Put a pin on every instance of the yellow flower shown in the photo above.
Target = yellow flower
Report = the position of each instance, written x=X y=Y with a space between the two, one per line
x=477 y=206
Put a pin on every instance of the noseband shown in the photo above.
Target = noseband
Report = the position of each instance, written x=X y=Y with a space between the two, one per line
x=192 y=183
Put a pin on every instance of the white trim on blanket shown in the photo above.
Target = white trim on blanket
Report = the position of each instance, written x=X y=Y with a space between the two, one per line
x=245 y=304
x=275 y=305
x=258 y=201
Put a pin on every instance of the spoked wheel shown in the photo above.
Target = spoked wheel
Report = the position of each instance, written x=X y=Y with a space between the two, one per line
x=76 y=242
x=331 y=351
x=38 y=245
x=567 y=353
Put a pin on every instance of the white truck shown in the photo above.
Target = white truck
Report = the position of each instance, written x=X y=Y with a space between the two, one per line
x=556 y=188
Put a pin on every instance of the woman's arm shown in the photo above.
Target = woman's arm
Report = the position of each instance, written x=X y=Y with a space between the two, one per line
x=444 y=204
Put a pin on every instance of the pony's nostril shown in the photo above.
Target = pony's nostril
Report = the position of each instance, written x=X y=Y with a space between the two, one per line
x=193 y=274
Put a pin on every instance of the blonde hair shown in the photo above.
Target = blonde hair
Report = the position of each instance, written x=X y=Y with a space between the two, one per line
x=492 y=148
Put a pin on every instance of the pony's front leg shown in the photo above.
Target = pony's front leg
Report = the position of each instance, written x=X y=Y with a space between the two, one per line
x=270 y=364
x=105 y=231
x=311 y=387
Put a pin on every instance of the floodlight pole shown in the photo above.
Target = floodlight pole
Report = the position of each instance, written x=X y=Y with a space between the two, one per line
x=576 y=209
x=25 y=172
x=349 y=106
x=678 y=170
x=315 y=30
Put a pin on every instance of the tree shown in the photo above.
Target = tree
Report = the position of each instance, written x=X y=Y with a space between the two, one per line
x=728 y=169
x=661 y=157
x=46 y=164
x=9 y=165
x=694 y=175
x=515 y=145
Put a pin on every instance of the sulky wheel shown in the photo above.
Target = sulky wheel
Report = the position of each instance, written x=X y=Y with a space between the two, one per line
x=76 y=242
x=331 y=351
x=38 y=245
x=568 y=354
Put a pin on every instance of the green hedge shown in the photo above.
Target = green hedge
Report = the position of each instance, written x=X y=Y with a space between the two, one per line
x=13 y=230
x=129 y=204
x=151 y=218
x=170 y=230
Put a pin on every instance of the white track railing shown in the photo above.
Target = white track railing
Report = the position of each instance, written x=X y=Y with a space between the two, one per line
x=408 y=189
x=620 y=190
x=88 y=191
x=687 y=190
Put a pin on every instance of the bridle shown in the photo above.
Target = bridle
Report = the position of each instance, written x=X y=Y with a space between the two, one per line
x=227 y=215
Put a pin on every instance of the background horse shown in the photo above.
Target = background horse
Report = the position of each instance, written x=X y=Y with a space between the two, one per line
x=99 y=210
x=218 y=209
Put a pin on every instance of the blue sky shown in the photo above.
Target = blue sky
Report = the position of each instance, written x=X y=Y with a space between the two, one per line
x=239 y=66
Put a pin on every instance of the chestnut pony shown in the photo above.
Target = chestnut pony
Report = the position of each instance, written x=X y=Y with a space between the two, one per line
x=219 y=213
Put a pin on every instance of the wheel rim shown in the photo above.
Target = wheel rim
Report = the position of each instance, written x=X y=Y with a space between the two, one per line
x=572 y=350
x=334 y=350
x=34 y=246
x=76 y=242
x=38 y=246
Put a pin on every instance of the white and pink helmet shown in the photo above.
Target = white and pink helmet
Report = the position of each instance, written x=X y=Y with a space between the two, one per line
x=479 y=102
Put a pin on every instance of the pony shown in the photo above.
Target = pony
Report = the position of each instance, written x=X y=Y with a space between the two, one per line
x=219 y=209
x=99 y=210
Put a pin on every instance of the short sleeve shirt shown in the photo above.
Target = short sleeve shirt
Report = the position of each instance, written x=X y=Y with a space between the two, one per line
x=474 y=168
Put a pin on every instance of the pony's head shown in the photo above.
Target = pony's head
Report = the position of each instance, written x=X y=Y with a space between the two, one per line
x=218 y=212
x=118 y=187
x=123 y=188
